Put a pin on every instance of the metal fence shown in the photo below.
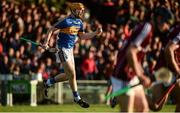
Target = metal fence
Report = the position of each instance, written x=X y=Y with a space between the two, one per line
x=24 y=91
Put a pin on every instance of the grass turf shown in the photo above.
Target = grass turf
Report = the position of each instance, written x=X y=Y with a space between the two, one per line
x=69 y=108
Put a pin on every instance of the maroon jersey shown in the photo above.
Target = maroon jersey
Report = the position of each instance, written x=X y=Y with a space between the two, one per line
x=174 y=35
x=140 y=37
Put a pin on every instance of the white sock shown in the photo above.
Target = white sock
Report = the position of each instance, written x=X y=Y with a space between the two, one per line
x=77 y=98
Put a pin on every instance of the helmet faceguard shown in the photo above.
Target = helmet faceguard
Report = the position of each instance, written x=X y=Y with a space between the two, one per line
x=77 y=9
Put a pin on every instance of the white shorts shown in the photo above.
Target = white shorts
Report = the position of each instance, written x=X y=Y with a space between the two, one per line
x=118 y=84
x=64 y=54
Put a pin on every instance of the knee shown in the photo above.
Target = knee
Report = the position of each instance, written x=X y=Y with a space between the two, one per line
x=71 y=74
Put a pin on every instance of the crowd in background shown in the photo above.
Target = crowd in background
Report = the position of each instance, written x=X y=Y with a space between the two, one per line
x=95 y=59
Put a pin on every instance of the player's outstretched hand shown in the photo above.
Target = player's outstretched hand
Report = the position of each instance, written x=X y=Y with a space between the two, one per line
x=50 y=49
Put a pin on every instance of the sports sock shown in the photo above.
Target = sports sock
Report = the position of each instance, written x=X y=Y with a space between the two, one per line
x=76 y=96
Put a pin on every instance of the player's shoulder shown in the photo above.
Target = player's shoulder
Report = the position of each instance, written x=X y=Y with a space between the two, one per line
x=70 y=18
x=177 y=27
x=174 y=33
x=174 y=29
x=62 y=19
x=147 y=25
x=80 y=20
x=143 y=26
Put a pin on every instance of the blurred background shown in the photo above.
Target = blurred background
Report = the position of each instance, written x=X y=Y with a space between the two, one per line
x=21 y=62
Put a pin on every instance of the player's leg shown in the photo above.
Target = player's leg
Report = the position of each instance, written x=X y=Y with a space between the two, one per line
x=140 y=103
x=58 y=78
x=51 y=81
x=69 y=68
x=176 y=96
x=108 y=92
x=111 y=101
x=71 y=74
x=157 y=91
x=126 y=102
x=61 y=56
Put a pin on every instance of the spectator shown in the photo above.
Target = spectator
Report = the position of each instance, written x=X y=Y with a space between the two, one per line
x=4 y=64
x=88 y=66
x=41 y=72
x=24 y=18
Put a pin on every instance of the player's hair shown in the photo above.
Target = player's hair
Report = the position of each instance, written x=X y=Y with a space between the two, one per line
x=166 y=15
x=74 y=6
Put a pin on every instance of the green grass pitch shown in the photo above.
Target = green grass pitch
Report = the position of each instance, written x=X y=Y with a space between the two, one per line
x=69 y=108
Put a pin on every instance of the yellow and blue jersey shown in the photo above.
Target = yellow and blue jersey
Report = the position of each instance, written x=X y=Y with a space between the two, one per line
x=70 y=28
